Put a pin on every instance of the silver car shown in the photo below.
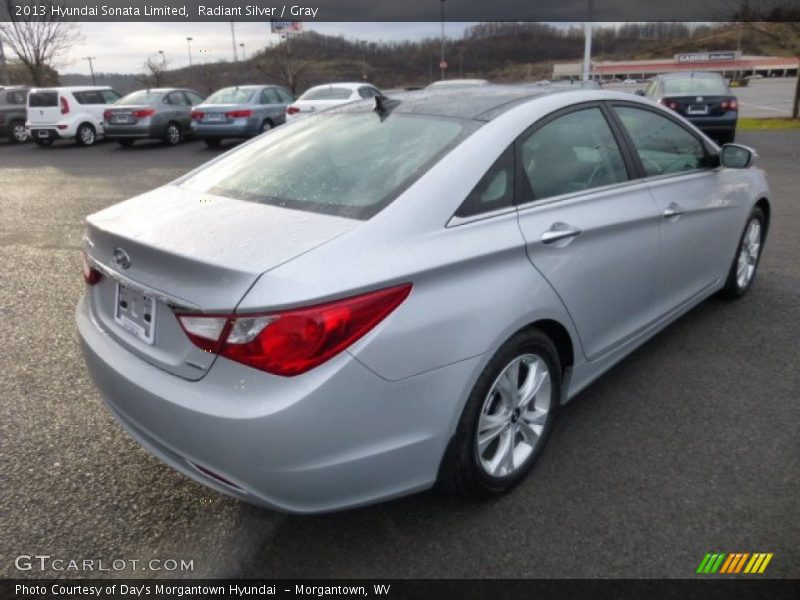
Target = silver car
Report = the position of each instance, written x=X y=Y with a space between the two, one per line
x=161 y=114
x=404 y=291
x=13 y=113
x=240 y=112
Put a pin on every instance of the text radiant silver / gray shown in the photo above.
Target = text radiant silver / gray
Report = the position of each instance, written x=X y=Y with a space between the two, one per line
x=386 y=295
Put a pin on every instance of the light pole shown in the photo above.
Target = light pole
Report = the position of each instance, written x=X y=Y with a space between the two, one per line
x=587 y=45
x=460 y=62
x=441 y=50
x=189 y=49
x=91 y=67
x=244 y=56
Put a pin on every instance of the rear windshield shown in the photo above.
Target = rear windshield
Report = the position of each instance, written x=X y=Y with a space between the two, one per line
x=327 y=94
x=346 y=164
x=229 y=96
x=696 y=85
x=141 y=97
x=43 y=99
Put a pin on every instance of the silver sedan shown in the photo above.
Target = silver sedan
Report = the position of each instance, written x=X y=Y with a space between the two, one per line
x=161 y=114
x=400 y=292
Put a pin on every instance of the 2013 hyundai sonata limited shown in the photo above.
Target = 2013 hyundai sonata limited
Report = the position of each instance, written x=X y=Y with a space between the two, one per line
x=399 y=292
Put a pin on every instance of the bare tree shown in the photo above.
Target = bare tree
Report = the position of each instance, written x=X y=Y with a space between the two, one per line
x=40 y=43
x=155 y=71
x=282 y=66
x=780 y=23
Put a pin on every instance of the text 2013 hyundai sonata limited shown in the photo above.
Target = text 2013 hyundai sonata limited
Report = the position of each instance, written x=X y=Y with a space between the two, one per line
x=395 y=293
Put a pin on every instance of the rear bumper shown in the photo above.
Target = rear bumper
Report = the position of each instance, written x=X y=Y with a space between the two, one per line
x=722 y=123
x=243 y=130
x=133 y=132
x=336 y=437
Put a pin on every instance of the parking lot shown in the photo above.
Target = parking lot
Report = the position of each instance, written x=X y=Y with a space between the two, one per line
x=688 y=446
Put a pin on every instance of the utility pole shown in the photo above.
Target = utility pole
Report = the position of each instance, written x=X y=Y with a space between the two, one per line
x=587 y=45
x=91 y=67
x=233 y=41
x=460 y=62
x=441 y=52
x=244 y=56
x=3 y=66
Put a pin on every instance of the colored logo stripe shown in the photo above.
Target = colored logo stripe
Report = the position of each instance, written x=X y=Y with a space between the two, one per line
x=734 y=563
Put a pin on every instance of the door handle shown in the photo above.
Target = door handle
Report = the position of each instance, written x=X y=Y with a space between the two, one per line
x=559 y=231
x=673 y=211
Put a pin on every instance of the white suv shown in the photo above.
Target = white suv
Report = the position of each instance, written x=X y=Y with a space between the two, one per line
x=68 y=113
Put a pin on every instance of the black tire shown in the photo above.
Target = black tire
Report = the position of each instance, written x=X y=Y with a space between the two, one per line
x=43 y=142
x=15 y=132
x=727 y=138
x=461 y=470
x=126 y=143
x=733 y=289
x=85 y=135
x=266 y=125
x=213 y=142
x=172 y=134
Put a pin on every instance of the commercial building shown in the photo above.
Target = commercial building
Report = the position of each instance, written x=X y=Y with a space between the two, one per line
x=728 y=63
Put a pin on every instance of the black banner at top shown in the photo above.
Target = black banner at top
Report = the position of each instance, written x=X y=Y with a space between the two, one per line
x=405 y=10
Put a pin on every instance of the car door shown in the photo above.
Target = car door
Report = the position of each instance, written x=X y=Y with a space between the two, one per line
x=698 y=225
x=273 y=108
x=591 y=229
x=178 y=108
x=286 y=99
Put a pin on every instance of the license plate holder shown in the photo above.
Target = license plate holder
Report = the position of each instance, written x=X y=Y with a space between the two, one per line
x=697 y=109
x=43 y=133
x=214 y=117
x=135 y=312
x=122 y=119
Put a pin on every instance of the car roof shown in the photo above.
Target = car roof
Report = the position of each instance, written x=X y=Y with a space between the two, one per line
x=482 y=102
x=350 y=85
x=71 y=88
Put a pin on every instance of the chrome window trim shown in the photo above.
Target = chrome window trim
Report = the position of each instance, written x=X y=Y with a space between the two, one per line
x=456 y=221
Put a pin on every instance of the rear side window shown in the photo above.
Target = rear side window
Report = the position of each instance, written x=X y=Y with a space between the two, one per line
x=230 y=96
x=178 y=99
x=286 y=97
x=110 y=96
x=570 y=154
x=494 y=191
x=91 y=97
x=270 y=96
x=15 y=97
x=43 y=99
x=194 y=97
x=347 y=164
x=663 y=146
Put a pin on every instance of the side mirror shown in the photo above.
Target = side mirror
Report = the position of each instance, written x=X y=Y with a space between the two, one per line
x=734 y=156
x=639 y=92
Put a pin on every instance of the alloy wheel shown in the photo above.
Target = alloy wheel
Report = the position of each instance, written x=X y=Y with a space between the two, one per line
x=513 y=416
x=748 y=254
x=19 y=133
x=87 y=135
x=173 y=135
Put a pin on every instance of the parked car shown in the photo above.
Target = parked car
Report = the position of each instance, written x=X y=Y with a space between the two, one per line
x=703 y=98
x=325 y=96
x=68 y=113
x=160 y=114
x=13 y=113
x=399 y=292
x=240 y=112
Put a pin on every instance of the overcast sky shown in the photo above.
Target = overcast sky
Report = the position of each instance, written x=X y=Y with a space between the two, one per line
x=123 y=47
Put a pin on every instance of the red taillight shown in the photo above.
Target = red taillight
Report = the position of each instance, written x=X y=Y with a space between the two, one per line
x=90 y=274
x=143 y=114
x=291 y=110
x=197 y=115
x=670 y=104
x=64 y=105
x=730 y=104
x=294 y=341
x=238 y=114
x=107 y=115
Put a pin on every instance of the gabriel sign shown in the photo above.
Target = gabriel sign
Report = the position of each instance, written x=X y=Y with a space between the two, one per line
x=705 y=57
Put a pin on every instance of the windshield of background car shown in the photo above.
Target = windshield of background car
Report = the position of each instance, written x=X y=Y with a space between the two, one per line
x=327 y=94
x=142 y=97
x=349 y=164
x=229 y=96
x=695 y=85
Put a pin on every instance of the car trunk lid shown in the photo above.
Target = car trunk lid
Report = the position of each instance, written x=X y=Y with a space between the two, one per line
x=221 y=114
x=698 y=105
x=127 y=115
x=173 y=250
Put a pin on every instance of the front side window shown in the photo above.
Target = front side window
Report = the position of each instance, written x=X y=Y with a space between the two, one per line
x=178 y=99
x=270 y=96
x=194 y=97
x=664 y=147
x=349 y=164
x=285 y=96
x=570 y=154
x=142 y=97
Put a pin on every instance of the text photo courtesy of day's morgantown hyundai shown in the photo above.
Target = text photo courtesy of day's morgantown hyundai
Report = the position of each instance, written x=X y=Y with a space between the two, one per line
x=424 y=301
